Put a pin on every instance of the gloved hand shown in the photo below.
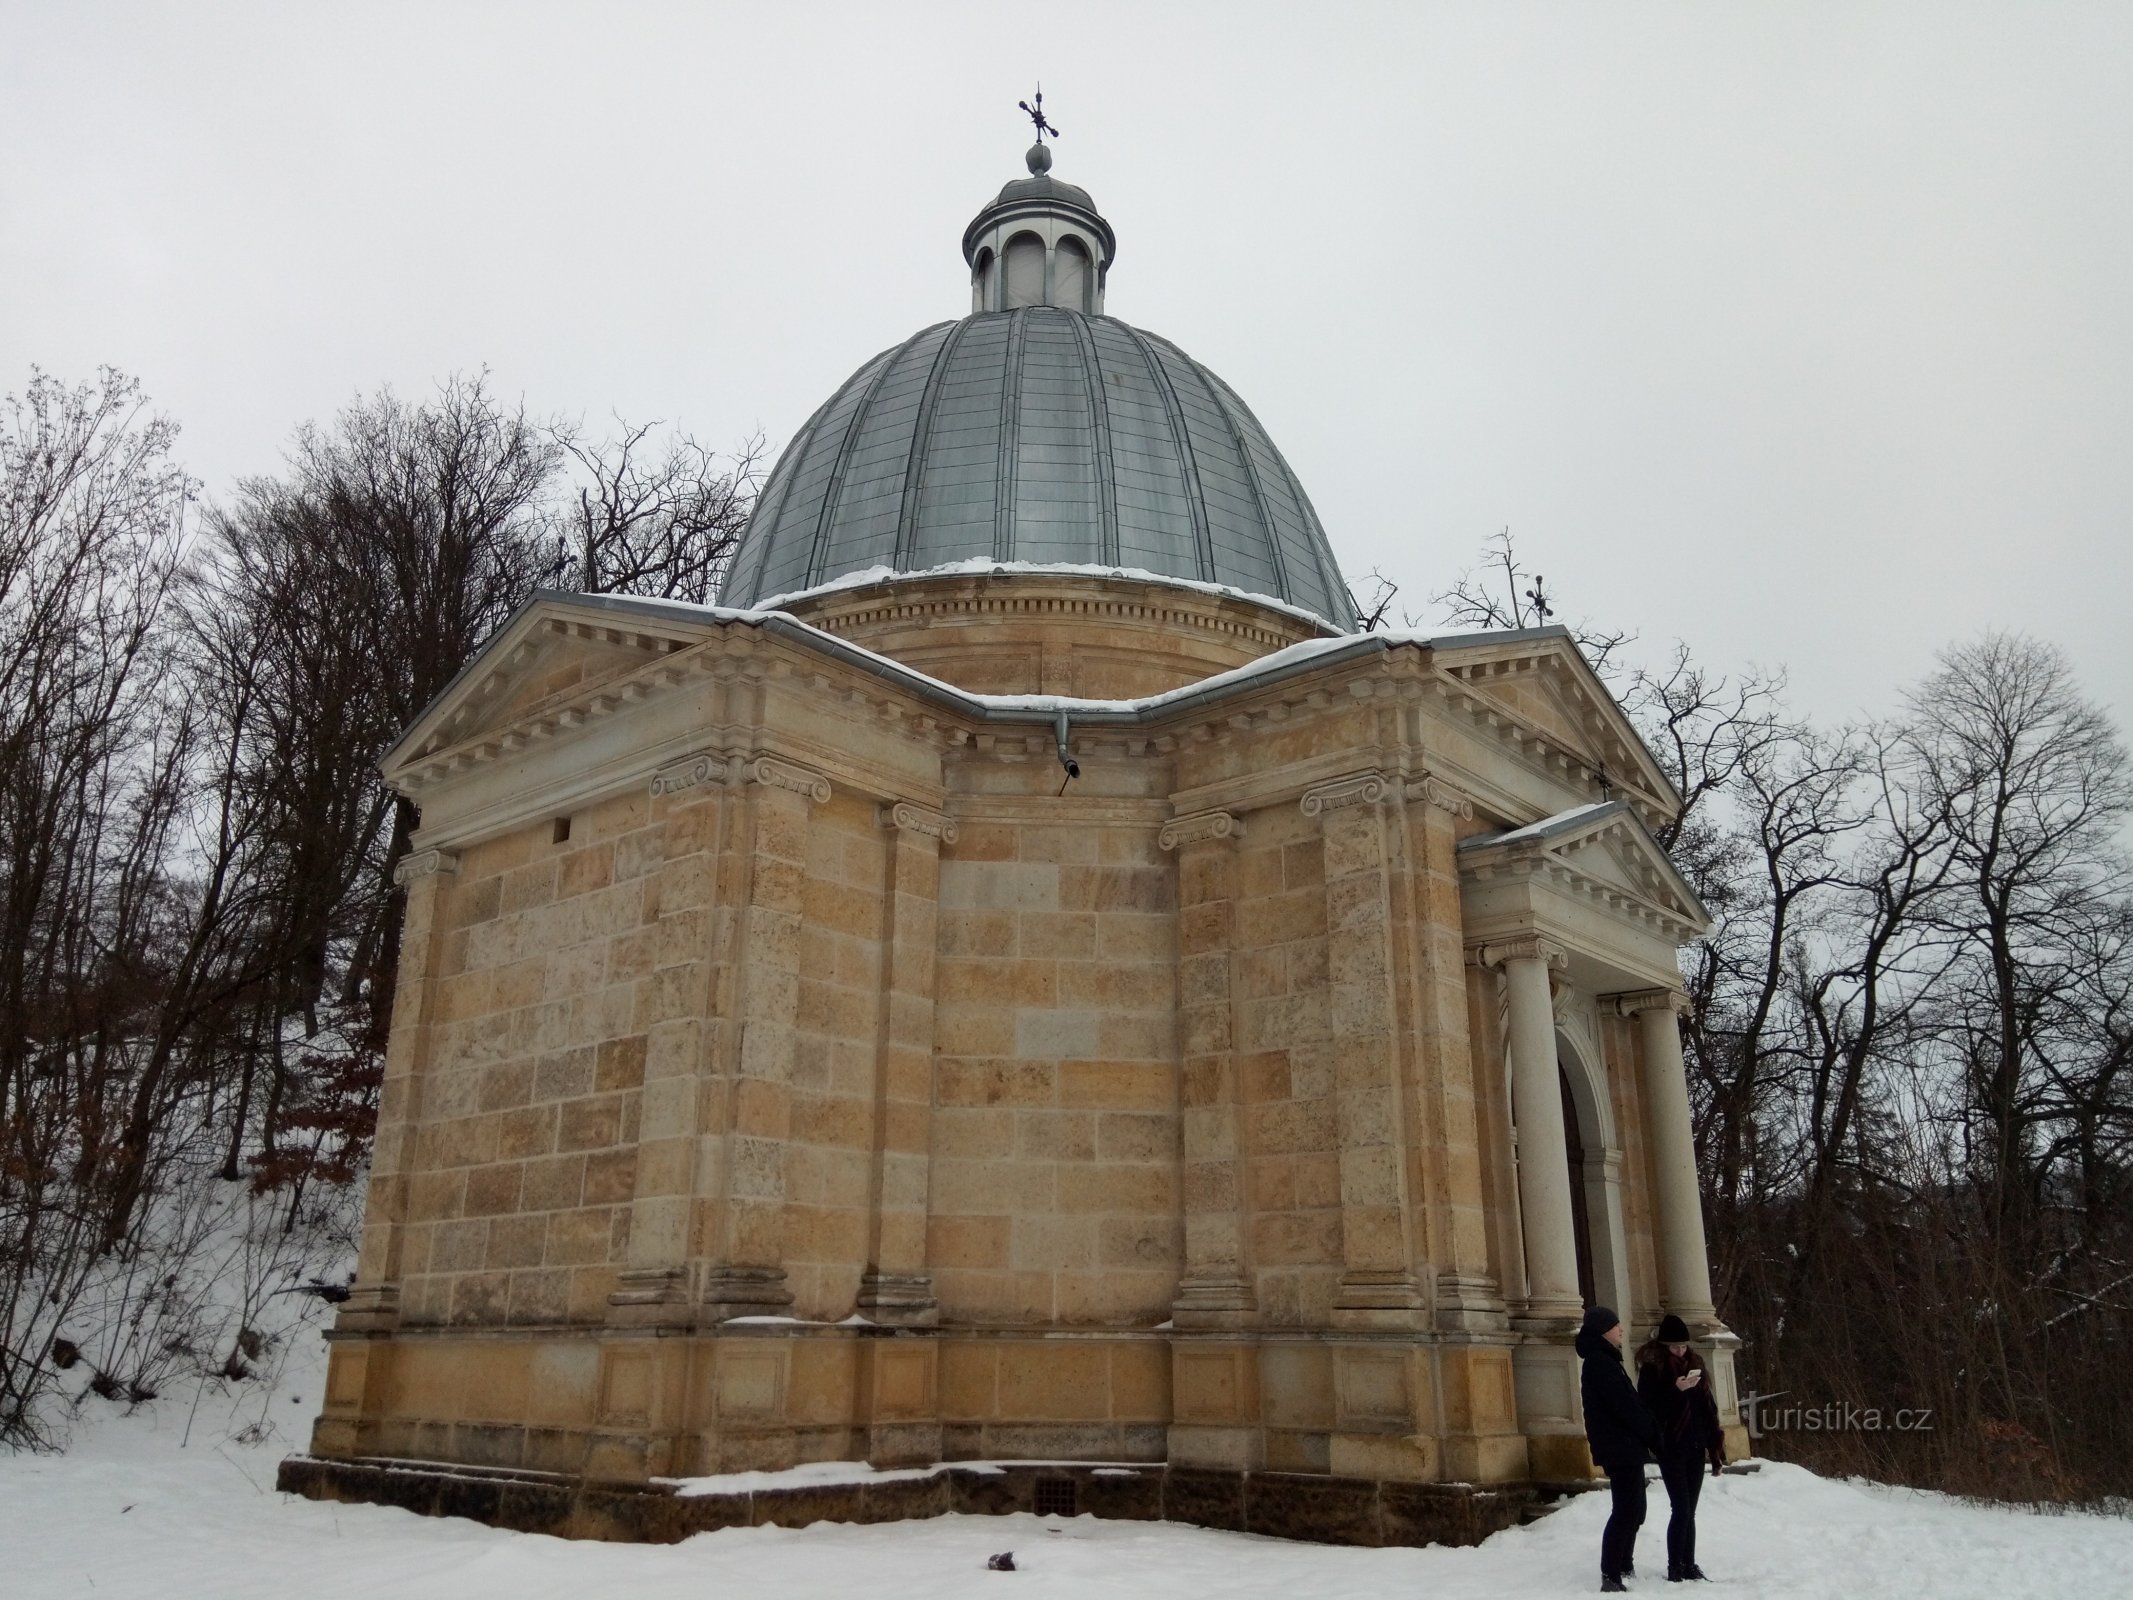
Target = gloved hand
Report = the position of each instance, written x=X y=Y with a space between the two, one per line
x=1718 y=1462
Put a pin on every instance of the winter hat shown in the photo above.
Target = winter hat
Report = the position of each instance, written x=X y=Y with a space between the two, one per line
x=1672 y=1330
x=1598 y=1319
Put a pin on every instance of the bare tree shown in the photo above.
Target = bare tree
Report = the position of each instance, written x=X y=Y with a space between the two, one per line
x=1502 y=593
x=93 y=751
x=2034 y=783
x=658 y=517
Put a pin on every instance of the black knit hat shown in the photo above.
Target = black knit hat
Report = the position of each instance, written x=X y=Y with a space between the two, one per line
x=1672 y=1330
x=1598 y=1319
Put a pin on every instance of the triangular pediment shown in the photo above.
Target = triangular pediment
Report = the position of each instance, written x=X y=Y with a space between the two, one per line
x=551 y=652
x=1603 y=850
x=1538 y=680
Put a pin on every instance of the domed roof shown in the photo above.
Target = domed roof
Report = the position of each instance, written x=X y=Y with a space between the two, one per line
x=1038 y=430
x=1038 y=435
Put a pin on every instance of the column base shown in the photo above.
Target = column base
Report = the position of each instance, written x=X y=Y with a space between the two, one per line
x=1470 y=1303
x=1552 y=1314
x=1702 y=1320
x=731 y=1292
x=650 y=1297
x=369 y=1308
x=1380 y=1300
x=898 y=1299
x=1214 y=1303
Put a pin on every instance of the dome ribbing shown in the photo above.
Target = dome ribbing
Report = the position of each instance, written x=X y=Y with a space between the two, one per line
x=1039 y=430
x=1039 y=435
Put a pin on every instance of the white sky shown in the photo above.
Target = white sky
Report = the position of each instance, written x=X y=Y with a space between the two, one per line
x=1801 y=331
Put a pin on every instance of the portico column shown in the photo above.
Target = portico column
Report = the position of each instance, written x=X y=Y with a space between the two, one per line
x=1683 y=1264
x=1537 y=1109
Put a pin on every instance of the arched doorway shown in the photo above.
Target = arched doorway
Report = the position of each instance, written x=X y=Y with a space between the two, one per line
x=1595 y=1162
x=1580 y=1205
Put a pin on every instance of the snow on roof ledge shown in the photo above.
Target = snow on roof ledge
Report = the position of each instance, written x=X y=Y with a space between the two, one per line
x=982 y=566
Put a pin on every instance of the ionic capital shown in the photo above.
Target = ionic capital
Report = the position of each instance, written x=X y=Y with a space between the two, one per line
x=1641 y=1000
x=687 y=773
x=1528 y=947
x=1197 y=826
x=1441 y=795
x=1357 y=789
x=424 y=864
x=776 y=774
x=908 y=818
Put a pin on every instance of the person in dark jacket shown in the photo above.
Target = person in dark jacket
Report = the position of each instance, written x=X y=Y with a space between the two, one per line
x=1620 y=1429
x=1676 y=1387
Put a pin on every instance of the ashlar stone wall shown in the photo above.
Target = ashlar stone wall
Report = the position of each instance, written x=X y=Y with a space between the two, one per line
x=1055 y=1123
x=525 y=1115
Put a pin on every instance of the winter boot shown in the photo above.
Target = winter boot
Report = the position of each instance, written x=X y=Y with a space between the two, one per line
x=1610 y=1584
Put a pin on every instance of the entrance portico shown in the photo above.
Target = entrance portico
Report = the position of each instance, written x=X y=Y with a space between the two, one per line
x=1579 y=918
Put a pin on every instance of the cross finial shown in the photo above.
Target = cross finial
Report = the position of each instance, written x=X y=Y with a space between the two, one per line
x=1036 y=115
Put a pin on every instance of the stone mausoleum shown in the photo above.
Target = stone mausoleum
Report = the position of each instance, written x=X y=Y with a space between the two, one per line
x=1025 y=977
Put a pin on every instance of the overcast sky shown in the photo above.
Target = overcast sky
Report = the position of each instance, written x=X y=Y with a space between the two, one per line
x=1801 y=332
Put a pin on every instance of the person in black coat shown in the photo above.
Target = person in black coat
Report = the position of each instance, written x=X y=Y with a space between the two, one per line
x=1620 y=1429
x=1676 y=1387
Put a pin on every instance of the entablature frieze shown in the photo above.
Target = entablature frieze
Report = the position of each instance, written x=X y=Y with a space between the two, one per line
x=1610 y=899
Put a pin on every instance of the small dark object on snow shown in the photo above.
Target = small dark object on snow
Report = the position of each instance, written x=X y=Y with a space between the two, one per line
x=1003 y=1562
x=1611 y=1585
x=65 y=1352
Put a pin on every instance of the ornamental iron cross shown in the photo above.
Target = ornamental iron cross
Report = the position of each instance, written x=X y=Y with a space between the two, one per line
x=1036 y=115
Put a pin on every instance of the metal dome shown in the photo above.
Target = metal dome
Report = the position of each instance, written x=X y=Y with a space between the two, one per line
x=1041 y=435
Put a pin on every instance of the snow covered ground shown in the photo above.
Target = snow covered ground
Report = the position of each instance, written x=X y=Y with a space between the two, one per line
x=130 y=1513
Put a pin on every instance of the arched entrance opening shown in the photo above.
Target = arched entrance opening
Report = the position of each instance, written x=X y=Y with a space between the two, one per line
x=1580 y=1205
x=1595 y=1160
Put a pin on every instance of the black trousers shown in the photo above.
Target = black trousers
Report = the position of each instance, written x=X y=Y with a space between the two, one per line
x=1684 y=1483
x=1618 y=1544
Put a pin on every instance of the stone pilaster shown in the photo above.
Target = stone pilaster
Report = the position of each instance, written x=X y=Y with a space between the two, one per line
x=374 y=1303
x=1468 y=1296
x=673 y=1006
x=746 y=1276
x=1537 y=1111
x=1684 y=1265
x=896 y=1288
x=1377 y=1287
x=1215 y=1290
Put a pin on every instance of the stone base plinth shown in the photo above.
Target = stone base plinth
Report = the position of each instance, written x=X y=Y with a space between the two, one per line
x=1286 y=1505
